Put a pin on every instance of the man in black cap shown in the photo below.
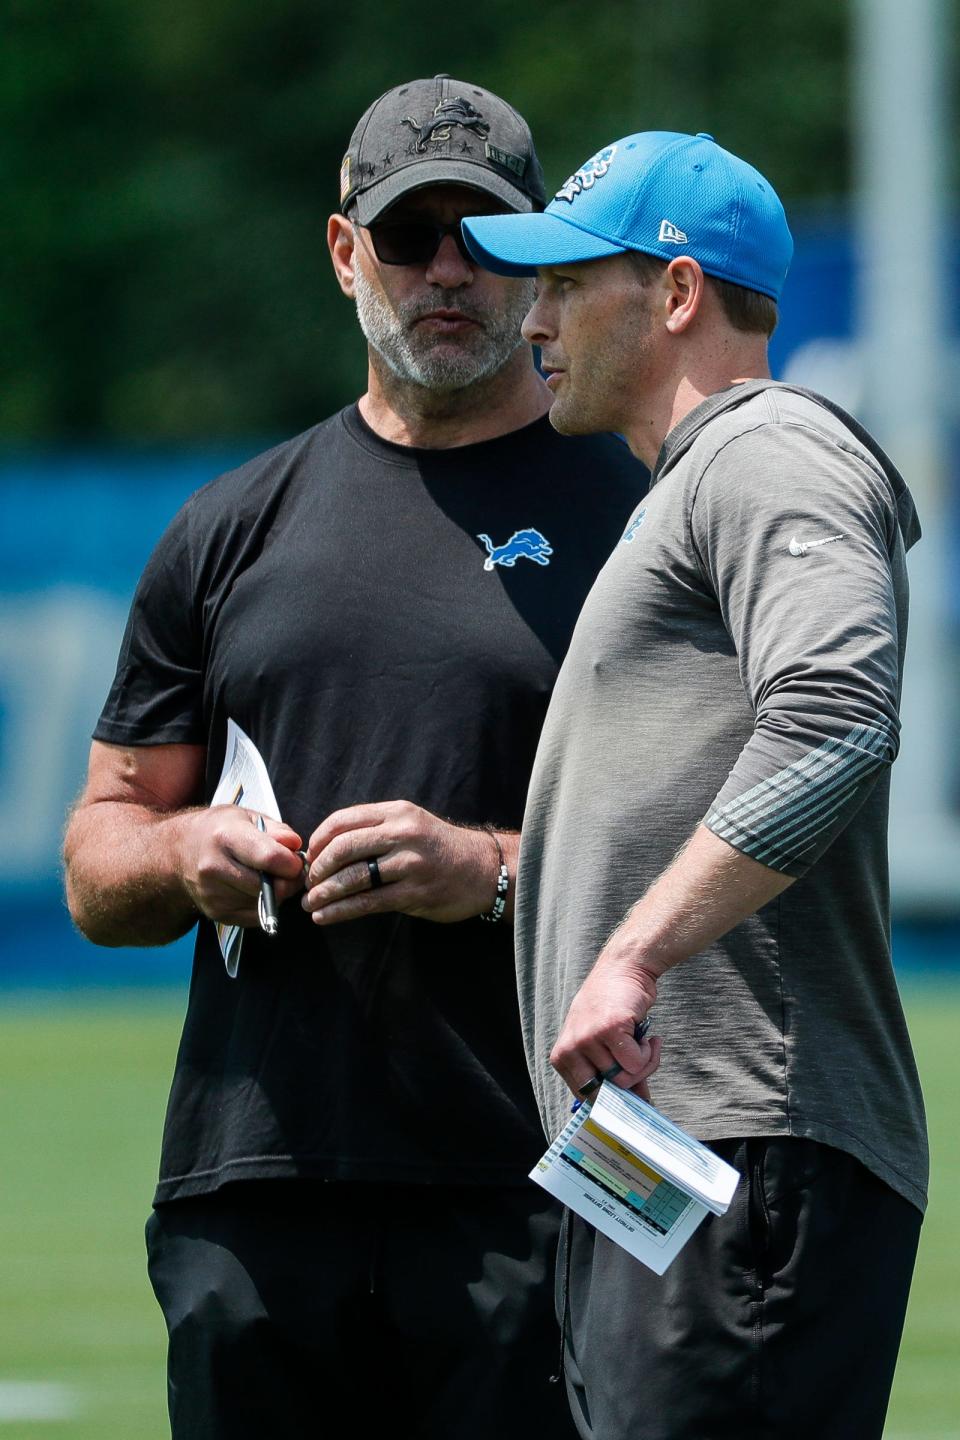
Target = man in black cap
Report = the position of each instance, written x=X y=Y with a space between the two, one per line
x=343 y=1228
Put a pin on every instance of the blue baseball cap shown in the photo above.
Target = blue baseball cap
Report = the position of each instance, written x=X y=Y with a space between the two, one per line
x=660 y=192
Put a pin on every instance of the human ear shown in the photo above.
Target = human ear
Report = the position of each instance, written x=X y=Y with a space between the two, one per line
x=340 y=243
x=685 y=282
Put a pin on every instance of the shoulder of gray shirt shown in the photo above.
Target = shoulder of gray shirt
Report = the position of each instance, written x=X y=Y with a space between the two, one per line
x=743 y=408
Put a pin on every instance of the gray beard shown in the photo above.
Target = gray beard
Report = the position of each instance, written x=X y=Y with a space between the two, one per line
x=417 y=358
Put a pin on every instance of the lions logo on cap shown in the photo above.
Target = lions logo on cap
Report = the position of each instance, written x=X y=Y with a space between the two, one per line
x=586 y=177
x=448 y=113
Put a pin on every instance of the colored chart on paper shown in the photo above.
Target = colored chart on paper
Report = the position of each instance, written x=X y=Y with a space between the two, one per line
x=602 y=1159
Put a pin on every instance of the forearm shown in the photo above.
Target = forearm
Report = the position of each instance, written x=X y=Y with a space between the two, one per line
x=707 y=890
x=124 y=874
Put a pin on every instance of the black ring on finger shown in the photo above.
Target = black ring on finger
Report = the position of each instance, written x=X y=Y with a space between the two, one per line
x=376 y=879
x=591 y=1085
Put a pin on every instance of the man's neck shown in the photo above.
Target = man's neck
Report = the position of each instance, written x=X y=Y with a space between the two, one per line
x=683 y=392
x=409 y=414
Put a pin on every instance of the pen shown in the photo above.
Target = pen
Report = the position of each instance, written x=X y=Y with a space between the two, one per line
x=639 y=1030
x=267 y=903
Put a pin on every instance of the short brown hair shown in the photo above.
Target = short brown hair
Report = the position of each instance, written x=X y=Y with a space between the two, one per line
x=647 y=268
x=746 y=310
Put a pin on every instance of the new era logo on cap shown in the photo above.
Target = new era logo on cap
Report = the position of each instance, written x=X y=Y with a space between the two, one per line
x=670 y=234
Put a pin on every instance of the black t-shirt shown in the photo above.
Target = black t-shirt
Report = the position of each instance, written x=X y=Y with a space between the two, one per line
x=384 y=623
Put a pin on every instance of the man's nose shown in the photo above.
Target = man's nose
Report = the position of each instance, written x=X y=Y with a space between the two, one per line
x=448 y=268
x=537 y=328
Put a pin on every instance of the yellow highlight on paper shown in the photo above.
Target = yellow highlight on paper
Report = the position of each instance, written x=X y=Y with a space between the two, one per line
x=607 y=1139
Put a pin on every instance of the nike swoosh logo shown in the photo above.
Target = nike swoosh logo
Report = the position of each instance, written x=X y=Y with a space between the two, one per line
x=802 y=547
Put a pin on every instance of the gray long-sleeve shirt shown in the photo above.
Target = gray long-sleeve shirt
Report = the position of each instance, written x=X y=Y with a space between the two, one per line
x=738 y=663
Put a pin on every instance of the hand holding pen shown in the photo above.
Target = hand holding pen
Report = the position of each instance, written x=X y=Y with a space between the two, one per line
x=593 y=1085
x=267 y=899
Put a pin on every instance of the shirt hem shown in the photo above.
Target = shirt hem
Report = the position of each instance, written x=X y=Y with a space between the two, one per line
x=118 y=732
x=207 y=1182
x=823 y=1132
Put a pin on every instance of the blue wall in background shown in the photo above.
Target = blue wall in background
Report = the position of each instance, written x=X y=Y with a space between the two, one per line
x=42 y=952
x=75 y=531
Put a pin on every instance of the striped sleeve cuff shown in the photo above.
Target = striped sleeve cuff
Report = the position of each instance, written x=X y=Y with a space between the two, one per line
x=788 y=819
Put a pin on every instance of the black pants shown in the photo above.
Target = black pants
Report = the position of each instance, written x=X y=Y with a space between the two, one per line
x=301 y=1309
x=780 y=1321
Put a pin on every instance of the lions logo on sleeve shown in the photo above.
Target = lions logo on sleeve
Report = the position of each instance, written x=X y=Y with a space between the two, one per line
x=630 y=533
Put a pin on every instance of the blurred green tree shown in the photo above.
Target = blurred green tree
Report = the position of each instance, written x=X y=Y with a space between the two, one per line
x=169 y=169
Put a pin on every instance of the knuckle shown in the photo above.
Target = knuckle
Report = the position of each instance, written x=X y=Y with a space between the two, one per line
x=344 y=854
x=409 y=819
x=207 y=868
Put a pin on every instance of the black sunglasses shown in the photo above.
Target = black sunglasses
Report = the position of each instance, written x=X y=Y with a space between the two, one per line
x=413 y=242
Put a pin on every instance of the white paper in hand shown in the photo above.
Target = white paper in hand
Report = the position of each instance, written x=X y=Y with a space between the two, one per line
x=635 y=1176
x=243 y=781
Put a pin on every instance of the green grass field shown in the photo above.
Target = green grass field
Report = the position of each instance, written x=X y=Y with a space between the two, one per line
x=83 y=1087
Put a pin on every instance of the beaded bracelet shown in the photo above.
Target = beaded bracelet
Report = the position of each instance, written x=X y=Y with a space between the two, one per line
x=496 y=910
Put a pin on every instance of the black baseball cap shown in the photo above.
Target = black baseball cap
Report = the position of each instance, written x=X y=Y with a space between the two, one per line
x=439 y=132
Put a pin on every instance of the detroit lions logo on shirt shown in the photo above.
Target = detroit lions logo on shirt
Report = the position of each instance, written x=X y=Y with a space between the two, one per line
x=587 y=176
x=631 y=530
x=522 y=545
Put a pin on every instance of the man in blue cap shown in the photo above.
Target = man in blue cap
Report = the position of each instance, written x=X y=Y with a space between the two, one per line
x=706 y=822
